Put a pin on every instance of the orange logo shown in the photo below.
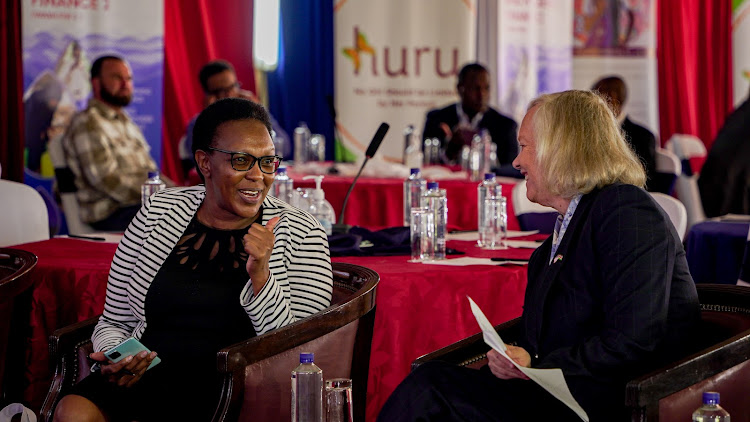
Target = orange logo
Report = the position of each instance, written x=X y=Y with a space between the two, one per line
x=360 y=46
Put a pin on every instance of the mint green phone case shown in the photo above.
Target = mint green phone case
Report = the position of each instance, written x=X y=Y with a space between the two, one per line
x=129 y=347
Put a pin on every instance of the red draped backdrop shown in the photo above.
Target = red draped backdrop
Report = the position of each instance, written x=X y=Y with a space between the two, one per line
x=694 y=56
x=196 y=31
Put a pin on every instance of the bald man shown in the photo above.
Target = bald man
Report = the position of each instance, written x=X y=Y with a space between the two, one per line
x=641 y=140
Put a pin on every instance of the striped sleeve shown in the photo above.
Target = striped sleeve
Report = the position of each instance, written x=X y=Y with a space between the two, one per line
x=118 y=321
x=301 y=280
x=147 y=243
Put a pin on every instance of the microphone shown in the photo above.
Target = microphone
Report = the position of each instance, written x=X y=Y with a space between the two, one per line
x=376 y=141
x=371 y=150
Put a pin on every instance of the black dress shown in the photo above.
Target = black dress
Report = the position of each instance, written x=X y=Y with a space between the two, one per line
x=192 y=310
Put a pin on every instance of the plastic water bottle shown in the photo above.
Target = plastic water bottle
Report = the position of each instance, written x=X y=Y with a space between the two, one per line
x=301 y=140
x=307 y=390
x=435 y=200
x=413 y=156
x=711 y=411
x=487 y=189
x=282 y=187
x=151 y=186
x=414 y=188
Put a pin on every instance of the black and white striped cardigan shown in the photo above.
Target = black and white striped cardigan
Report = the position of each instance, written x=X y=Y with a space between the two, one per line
x=300 y=283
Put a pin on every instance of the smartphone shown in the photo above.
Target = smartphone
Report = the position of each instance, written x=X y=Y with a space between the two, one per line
x=129 y=347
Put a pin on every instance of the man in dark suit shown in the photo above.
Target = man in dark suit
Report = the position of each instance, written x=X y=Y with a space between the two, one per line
x=640 y=139
x=609 y=295
x=456 y=124
x=724 y=181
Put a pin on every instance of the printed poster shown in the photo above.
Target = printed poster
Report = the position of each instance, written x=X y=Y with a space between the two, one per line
x=534 y=52
x=394 y=61
x=618 y=37
x=60 y=41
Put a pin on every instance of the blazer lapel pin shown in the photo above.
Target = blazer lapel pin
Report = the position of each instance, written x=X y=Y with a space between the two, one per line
x=559 y=257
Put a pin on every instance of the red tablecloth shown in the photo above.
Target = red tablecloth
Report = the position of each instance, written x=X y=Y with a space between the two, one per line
x=420 y=307
x=378 y=202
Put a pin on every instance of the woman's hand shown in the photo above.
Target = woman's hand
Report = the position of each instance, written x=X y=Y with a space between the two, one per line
x=258 y=243
x=503 y=368
x=127 y=371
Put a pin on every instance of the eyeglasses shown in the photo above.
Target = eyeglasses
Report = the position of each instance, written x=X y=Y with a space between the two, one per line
x=226 y=91
x=242 y=161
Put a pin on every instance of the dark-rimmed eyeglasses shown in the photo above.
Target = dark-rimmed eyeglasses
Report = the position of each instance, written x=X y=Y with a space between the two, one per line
x=226 y=91
x=242 y=161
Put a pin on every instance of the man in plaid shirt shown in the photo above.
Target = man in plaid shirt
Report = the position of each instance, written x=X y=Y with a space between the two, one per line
x=106 y=151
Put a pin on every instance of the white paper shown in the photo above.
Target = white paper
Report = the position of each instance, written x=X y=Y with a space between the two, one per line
x=528 y=244
x=551 y=380
x=467 y=260
x=473 y=236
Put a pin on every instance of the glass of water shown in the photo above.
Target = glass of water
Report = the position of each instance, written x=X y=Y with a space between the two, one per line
x=339 y=406
x=496 y=217
x=422 y=233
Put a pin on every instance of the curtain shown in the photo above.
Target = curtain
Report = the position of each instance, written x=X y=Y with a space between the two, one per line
x=694 y=57
x=195 y=32
x=11 y=93
x=301 y=88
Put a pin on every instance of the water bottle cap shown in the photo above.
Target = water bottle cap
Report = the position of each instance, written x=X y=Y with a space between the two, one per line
x=414 y=170
x=488 y=176
x=306 y=357
x=152 y=174
x=281 y=170
x=432 y=185
x=710 y=397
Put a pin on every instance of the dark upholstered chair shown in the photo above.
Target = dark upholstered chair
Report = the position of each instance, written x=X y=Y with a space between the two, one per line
x=673 y=392
x=15 y=266
x=256 y=372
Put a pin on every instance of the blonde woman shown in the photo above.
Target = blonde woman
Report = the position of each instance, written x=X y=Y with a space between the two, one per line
x=609 y=294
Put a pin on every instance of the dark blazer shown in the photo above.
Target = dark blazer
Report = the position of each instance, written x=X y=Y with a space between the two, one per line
x=504 y=132
x=619 y=302
x=724 y=181
x=643 y=142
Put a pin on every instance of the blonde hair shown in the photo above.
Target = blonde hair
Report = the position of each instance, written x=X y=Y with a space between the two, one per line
x=580 y=146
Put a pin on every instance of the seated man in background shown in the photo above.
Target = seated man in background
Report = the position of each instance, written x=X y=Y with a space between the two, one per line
x=609 y=295
x=219 y=80
x=725 y=177
x=106 y=151
x=456 y=124
x=641 y=140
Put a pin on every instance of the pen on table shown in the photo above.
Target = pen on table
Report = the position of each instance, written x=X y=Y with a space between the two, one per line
x=96 y=238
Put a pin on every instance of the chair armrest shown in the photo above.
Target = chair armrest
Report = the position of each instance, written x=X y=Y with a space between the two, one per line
x=650 y=388
x=472 y=349
x=63 y=347
x=233 y=361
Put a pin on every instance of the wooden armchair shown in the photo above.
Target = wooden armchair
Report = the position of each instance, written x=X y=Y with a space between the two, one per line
x=674 y=391
x=15 y=266
x=256 y=372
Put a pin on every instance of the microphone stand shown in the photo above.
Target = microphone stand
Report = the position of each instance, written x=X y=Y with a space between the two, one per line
x=340 y=227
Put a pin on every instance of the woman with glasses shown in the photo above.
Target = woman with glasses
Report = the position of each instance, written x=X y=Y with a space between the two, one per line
x=201 y=268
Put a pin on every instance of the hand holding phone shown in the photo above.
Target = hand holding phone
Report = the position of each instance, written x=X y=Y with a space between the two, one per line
x=124 y=363
x=129 y=347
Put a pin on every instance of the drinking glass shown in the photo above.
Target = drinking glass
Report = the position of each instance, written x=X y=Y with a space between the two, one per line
x=422 y=233
x=339 y=406
x=496 y=216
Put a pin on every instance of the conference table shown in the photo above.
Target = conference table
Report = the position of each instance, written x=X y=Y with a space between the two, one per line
x=420 y=307
x=715 y=250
